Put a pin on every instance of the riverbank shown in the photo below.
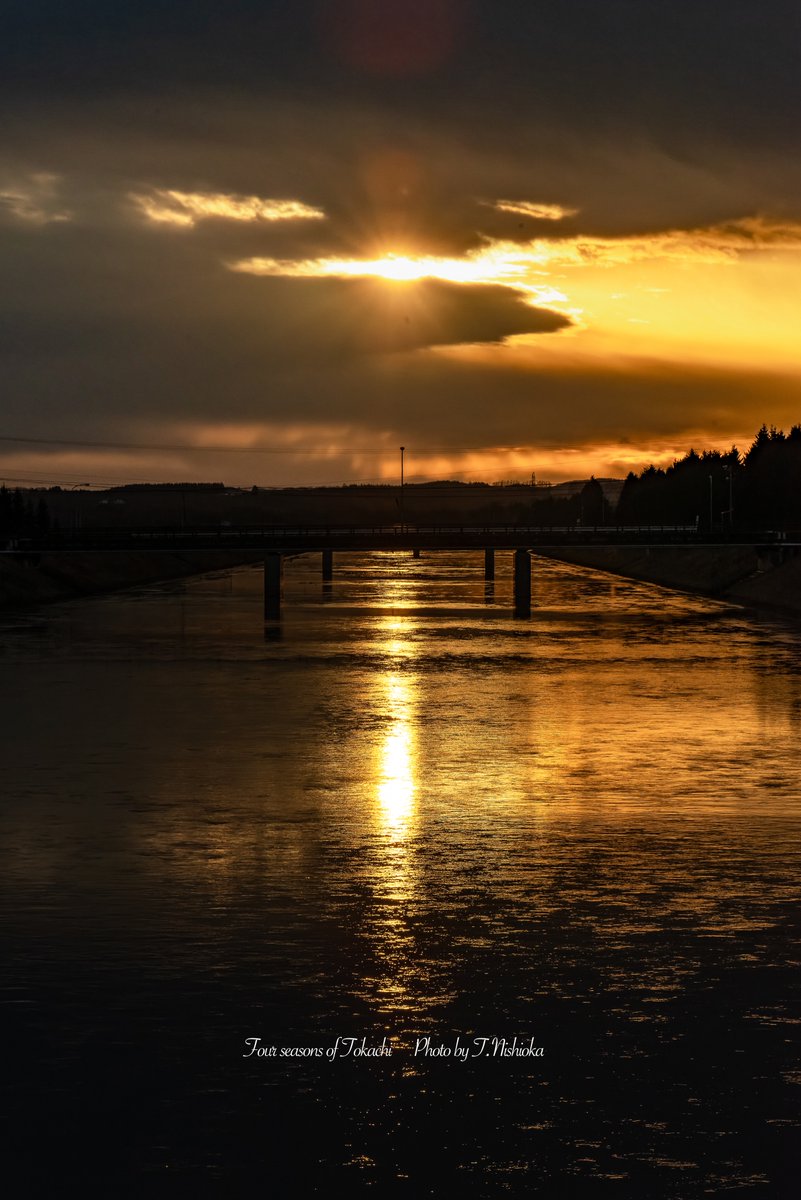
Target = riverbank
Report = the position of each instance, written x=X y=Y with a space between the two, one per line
x=41 y=578
x=735 y=573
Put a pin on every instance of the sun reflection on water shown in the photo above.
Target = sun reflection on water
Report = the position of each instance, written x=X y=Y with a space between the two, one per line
x=394 y=982
x=397 y=787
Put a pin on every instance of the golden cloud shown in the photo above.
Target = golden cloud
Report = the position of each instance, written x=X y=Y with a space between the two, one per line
x=711 y=244
x=478 y=267
x=510 y=263
x=185 y=208
x=539 y=212
x=34 y=198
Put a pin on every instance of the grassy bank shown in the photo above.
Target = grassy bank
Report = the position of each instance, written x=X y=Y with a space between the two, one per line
x=735 y=573
x=37 y=579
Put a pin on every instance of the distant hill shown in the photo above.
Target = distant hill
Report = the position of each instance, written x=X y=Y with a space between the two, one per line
x=571 y=487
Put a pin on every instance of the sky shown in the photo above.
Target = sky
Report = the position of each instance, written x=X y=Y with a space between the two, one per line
x=273 y=242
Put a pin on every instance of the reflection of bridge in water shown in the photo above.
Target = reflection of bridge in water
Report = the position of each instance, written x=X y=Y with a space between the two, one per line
x=275 y=542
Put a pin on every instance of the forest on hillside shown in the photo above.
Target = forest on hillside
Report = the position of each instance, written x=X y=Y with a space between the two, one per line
x=760 y=489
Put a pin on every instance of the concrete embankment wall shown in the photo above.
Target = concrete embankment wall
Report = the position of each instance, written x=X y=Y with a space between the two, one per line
x=41 y=578
x=735 y=573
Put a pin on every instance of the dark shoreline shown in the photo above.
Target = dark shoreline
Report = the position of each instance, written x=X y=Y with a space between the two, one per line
x=734 y=573
x=27 y=580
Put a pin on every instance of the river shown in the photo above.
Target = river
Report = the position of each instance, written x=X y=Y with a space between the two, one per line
x=402 y=815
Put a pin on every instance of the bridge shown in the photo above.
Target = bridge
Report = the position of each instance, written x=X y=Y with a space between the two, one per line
x=276 y=542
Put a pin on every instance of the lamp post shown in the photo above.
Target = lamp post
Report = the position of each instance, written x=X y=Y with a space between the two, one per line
x=403 y=522
x=730 y=473
x=710 y=503
x=76 y=512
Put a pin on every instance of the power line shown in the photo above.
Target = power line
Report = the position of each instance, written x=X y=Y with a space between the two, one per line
x=317 y=450
x=36 y=441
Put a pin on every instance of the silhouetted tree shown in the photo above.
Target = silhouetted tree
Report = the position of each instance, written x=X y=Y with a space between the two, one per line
x=20 y=516
x=592 y=503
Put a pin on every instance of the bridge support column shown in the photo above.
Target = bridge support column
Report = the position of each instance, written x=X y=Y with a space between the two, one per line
x=328 y=566
x=415 y=553
x=273 y=572
x=489 y=565
x=522 y=583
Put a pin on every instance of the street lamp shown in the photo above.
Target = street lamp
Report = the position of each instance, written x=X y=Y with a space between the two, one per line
x=727 y=467
x=76 y=513
x=710 y=503
x=402 y=449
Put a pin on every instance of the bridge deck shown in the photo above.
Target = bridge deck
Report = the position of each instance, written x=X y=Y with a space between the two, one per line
x=307 y=538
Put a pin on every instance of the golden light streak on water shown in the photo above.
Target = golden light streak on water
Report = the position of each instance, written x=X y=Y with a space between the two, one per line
x=393 y=985
x=397 y=786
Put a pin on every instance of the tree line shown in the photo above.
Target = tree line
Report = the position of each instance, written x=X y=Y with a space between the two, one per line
x=21 y=515
x=760 y=489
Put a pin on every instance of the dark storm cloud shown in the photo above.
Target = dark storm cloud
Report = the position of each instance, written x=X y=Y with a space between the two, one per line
x=149 y=320
x=640 y=113
x=347 y=317
x=425 y=402
x=396 y=176
x=730 y=69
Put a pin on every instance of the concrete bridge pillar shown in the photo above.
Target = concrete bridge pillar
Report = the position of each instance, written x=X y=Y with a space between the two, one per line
x=522 y=583
x=328 y=566
x=489 y=565
x=415 y=553
x=273 y=573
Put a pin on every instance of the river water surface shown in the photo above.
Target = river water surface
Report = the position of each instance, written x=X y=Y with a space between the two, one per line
x=400 y=815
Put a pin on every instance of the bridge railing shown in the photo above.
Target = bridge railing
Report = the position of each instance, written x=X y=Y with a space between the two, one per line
x=298 y=535
x=308 y=530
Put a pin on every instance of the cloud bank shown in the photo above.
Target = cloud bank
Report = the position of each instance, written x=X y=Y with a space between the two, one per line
x=563 y=230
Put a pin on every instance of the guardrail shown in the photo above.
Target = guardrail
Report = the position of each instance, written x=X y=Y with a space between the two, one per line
x=379 y=536
x=222 y=531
